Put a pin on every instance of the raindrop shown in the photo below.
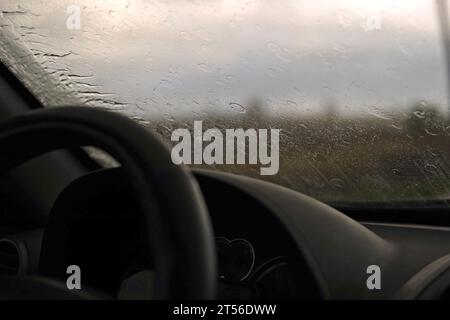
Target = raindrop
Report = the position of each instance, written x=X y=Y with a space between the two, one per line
x=236 y=107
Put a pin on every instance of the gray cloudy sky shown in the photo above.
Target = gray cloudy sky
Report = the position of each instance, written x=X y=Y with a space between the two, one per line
x=179 y=57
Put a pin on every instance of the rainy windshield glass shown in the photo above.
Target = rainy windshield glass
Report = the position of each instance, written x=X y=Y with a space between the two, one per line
x=357 y=88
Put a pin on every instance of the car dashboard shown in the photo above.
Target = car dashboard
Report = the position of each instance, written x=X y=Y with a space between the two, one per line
x=271 y=243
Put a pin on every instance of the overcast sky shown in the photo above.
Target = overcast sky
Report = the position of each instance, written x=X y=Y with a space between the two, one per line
x=179 y=57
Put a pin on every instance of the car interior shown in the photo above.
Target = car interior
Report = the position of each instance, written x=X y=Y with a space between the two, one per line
x=145 y=228
x=262 y=241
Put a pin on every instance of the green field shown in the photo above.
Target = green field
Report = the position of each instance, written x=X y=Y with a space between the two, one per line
x=361 y=159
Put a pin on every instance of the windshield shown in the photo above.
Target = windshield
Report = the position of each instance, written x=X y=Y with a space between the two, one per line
x=357 y=89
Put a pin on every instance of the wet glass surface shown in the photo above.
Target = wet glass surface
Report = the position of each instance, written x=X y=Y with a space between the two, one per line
x=358 y=88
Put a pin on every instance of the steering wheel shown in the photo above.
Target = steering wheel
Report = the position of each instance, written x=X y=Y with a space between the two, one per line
x=172 y=211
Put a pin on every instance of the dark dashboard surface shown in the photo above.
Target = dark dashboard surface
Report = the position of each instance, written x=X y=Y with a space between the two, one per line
x=271 y=243
x=279 y=269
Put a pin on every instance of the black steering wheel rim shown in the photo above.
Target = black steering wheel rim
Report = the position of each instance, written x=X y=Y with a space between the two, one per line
x=181 y=239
